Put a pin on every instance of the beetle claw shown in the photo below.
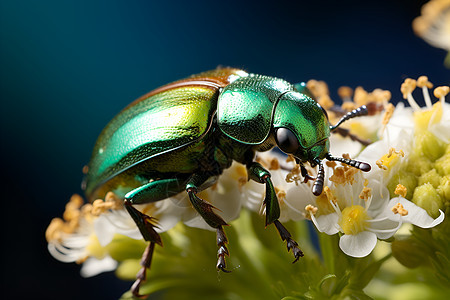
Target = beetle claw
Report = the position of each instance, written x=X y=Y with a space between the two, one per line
x=223 y=250
x=290 y=243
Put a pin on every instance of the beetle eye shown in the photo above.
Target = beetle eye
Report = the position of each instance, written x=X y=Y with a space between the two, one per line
x=286 y=140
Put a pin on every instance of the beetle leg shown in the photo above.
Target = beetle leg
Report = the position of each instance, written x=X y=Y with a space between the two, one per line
x=257 y=173
x=147 y=193
x=305 y=174
x=206 y=211
x=141 y=276
x=346 y=133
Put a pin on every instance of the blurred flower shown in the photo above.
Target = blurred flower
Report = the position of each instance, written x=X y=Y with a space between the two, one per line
x=88 y=233
x=434 y=25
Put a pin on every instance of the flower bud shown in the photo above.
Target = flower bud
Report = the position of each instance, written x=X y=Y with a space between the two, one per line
x=444 y=188
x=429 y=145
x=428 y=198
x=431 y=177
x=442 y=165
x=418 y=164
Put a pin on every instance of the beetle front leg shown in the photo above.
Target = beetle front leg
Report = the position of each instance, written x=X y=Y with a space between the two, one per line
x=211 y=218
x=257 y=173
x=147 y=193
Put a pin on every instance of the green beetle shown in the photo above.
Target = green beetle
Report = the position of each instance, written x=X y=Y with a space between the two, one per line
x=181 y=136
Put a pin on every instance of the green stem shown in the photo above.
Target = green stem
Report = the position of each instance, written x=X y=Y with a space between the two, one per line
x=327 y=248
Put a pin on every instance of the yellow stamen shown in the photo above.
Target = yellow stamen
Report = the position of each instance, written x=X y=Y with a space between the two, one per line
x=440 y=92
x=381 y=96
x=329 y=194
x=317 y=88
x=423 y=81
x=353 y=219
x=407 y=87
x=325 y=101
x=54 y=230
x=400 y=190
x=399 y=209
x=294 y=175
x=360 y=96
x=389 y=111
x=365 y=194
x=312 y=210
x=345 y=93
x=343 y=175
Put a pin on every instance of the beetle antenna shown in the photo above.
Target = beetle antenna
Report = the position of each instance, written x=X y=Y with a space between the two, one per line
x=365 y=167
x=366 y=110
x=318 y=183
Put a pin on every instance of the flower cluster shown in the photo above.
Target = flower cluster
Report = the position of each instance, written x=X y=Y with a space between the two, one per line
x=97 y=235
x=409 y=150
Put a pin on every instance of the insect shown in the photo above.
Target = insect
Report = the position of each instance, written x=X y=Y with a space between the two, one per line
x=181 y=136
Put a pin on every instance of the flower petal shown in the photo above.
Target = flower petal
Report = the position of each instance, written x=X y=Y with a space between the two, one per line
x=326 y=223
x=359 y=245
x=93 y=266
x=416 y=215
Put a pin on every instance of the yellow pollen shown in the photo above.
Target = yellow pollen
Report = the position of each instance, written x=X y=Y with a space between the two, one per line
x=348 y=105
x=360 y=96
x=381 y=96
x=312 y=210
x=75 y=210
x=281 y=194
x=441 y=91
x=345 y=92
x=423 y=81
x=331 y=164
x=343 y=175
x=330 y=196
x=399 y=209
x=365 y=194
x=366 y=182
x=290 y=158
x=274 y=164
x=240 y=175
x=317 y=88
x=353 y=220
x=326 y=102
x=114 y=200
x=389 y=111
x=400 y=190
x=294 y=175
x=407 y=87
x=54 y=230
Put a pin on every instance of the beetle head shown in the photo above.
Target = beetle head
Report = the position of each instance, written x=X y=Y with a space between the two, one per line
x=301 y=128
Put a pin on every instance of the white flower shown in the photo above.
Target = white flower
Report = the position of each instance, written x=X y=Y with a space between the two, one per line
x=434 y=23
x=359 y=213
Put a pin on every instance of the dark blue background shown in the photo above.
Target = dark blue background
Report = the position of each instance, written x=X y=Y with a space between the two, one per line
x=67 y=67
